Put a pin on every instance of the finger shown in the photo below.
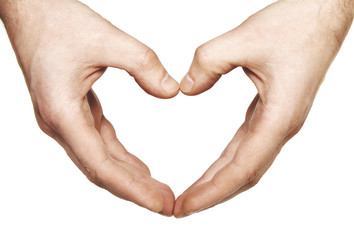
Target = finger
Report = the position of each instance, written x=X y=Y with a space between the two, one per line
x=50 y=132
x=226 y=157
x=74 y=124
x=213 y=59
x=253 y=153
x=116 y=149
x=123 y=158
x=143 y=179
x=135 y=165
x=246 y=187
x=230 y=150
x=102 y=170
x=108 y=134
x=167 y=193
x=119 y=181
x=222 y=161
x=125 y=52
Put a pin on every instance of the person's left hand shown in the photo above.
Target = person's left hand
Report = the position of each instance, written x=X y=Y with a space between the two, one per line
x=286 y=50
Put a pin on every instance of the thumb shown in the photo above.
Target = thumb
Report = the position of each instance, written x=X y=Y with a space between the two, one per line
x=125 y=52
x=213 y=59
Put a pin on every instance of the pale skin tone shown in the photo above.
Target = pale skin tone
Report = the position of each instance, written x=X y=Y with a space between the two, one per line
x=285 y=49
x=63 y=49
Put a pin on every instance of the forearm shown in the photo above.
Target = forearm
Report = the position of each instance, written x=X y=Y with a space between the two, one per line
x=333 y=19
x=337 y=15
x=11 y=11
x=347 y=6
x=340 y=10
x=20 y=15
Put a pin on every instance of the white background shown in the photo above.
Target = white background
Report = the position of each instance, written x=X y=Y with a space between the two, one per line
x=307 y=193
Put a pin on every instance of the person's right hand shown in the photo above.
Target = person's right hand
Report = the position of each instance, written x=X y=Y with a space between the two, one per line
x=63 y=47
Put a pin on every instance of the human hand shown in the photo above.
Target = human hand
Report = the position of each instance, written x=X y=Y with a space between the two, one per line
x=63 y=47
x=286 y=50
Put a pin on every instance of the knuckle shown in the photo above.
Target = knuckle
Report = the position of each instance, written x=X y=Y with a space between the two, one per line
x=48 y=114
x=147 y=59
x=132 y=182
x=253 y=183
x=43 y=126
x=290 y=121
x=190 y=204
x=96 y=175
x=295 y=126
x=294 y=123
x=203 y=56
x=224 y=154
x=251 y=175
x=92 y=176
x=296 y=129
x=52 y=113
x=215 y=183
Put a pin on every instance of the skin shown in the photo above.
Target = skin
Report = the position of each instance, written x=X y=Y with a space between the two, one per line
x=63 y=49
x=286 y=50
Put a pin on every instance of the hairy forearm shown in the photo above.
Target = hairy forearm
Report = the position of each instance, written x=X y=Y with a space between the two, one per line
x=334 y=17
x=338 y=15
x=23 y=19
x=347 y=6
x=20 y=14
x=344 y=9
x=12 y=10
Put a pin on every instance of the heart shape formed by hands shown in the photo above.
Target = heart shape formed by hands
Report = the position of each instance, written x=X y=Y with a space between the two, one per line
x=61 y=63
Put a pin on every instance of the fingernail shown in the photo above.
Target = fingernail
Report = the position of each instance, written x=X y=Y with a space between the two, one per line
x=187 y=84
x=169 y=85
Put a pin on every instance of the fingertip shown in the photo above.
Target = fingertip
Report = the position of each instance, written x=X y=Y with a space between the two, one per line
x=177 y=212
x=190 y=205
x=146 y=196
x=197 y=83
x=185 y=206
x=158 y=85
x=187 y=84
x=170 y=86
x=156 y=202
x=169 y=204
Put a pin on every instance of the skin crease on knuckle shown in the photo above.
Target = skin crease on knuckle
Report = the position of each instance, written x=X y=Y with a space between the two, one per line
x=203 y=57
x=206 y=60
x=96 y=174
x=146 y=61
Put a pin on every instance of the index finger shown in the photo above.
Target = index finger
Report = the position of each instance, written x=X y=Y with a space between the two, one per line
x=254 y=152
x=76 y=128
